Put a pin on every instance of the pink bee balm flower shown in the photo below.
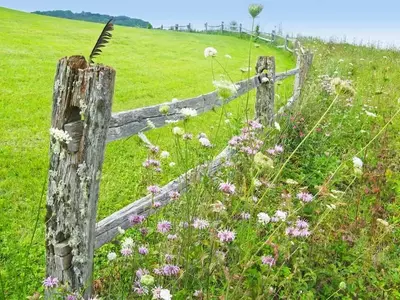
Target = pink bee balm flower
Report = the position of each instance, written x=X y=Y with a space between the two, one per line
x=271 y=151
x=163 y=226
x=205 y=142
x=227 y=188
x=268 y=260
x=255 y=125
x=226 y=235
x=50 y=282
x=136 y=219
x=278 y=149
x=154 y=189
x=143 y=250
x=305 y=197
x=157 y=204
x=170 y=270
x=141 y=272
x=126 y=251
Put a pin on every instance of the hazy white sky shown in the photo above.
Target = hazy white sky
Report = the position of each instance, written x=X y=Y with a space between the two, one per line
x=365 y=20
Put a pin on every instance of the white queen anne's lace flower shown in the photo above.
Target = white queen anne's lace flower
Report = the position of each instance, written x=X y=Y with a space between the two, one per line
x=263 y=218
x=188 y=112
x=210 y=52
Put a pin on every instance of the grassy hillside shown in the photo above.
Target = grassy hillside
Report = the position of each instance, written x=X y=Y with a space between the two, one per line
x=152 y=67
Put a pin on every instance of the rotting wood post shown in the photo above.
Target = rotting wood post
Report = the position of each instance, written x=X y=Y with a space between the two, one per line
x=240 y=29
x=303 y=62
x=273 y=36
x=189 y=27
x=206 y=26
x=222 y=27
x=265 y=95
x=176 y=27
x=82 y=100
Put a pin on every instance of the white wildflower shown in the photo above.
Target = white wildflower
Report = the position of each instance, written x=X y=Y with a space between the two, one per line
x=291 y=181
x=164 y=154
x=357 y=162
x=263 y=218
x=120 y=230
x=225 y=88
x=165 y=294
x=210 y=51
x=111 y=256
x=178 y=131
x=150 y=124
x=205 y=142
x=127 y=243
x=277 y=126
x=171 y=121
x=188 y=112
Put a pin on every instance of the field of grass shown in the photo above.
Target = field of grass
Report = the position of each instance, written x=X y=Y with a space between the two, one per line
x=152 y=67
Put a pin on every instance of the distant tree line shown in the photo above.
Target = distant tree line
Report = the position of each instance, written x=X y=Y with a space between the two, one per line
x=97 y=18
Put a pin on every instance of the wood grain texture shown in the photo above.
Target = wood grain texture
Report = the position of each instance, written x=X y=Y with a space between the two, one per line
x=107 y=228
x=265 y=95
x=74 y=174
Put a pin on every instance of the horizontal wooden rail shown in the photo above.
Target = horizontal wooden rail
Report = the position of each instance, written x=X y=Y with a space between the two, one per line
x=127 y=123
x=107 y=228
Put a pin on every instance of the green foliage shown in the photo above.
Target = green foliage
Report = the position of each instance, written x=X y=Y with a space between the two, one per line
x=96 y=18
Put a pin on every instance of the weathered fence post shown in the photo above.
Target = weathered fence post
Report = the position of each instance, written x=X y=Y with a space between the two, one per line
x=189 y=27
x=206 y=26
x=162 y=27
x=176 y=27
x=303 y=62
x=266 y=90
x=222 y=27
x=240 y=29
x=82 y=100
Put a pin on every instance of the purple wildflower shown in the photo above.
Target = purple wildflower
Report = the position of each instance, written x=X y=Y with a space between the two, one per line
x=136 y=219
x=71 y=297
x=174 y=195
x=50 y=282
x=255 y=124
x=205 y=142
x=184 y=224
x=141 y=272
x=227 y=188
x=163 y=226
x=170 y=270
x=305 y=197
x=268 y=260
x=172 y=237
x=278 y=148
x=226 y=235
x=143 y=250
x=144 y=231
x=271 y=151
x=154 y=149
x=157 y=204
x=126 y=251
x=187 y=136
x=245 y=216
x=169 y=258
x=154 y=189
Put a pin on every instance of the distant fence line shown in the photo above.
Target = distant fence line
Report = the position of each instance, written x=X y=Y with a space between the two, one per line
x=271 y=37
x=82 y=104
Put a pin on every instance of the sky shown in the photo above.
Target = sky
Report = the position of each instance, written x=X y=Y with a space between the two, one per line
x=366 y=21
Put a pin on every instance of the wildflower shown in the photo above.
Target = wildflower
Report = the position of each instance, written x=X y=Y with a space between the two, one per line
x=184 y=224
x=370 y=114
x=291 y=181
x=358 y=164
x=198 y=294
x=305 y=197
x=144 y=231
x=205 y=142
x=50 y=282
x=200 y=223
x=151 y=163
x=226 y=235
x=188 y=112
x=147 y=280
x=136 y=219
x=227 y=188
x=268 y=260
x=170 y=270
x=277 y=126
x=111 y=256
x=163 y=226
x=202 y=135
x=257 y=183
x=164 y=109
x=126 y=251
x=210 y=52
x=225 y=88
x=278 y=148
x=150 y=124
x=255 y=124
x=143 y=250
x=286 y=195
x=71 y=297
x=154 y=189
x=218 y=207
x=178 y=131
x=174 y=195
x=255 y=9
x=141 y=272
x=172 y=237
x=271 y=151
x=157 y=204
x=263 y=218
x=120 y=230
x=342 y=285
x=168 y=257
x=279 y=216
x=171 y=121
x=128 y=243
x=299 y=230
x=187 y=136
x=263 y=161
x=244 y=215
x=164 y=154
x=228 y=56
x=172 y=164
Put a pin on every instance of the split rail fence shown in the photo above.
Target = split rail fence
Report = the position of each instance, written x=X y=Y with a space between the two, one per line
x=82 y=102
x=238 y=29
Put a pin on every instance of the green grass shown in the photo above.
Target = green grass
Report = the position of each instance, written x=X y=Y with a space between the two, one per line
x=152 y=67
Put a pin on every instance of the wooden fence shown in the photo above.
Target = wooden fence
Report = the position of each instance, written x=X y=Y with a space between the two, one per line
x=82 y=124
x=272 y=37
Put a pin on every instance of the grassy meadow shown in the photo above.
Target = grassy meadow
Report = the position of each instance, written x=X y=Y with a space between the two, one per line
x=307 y=209
x=152 y=67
